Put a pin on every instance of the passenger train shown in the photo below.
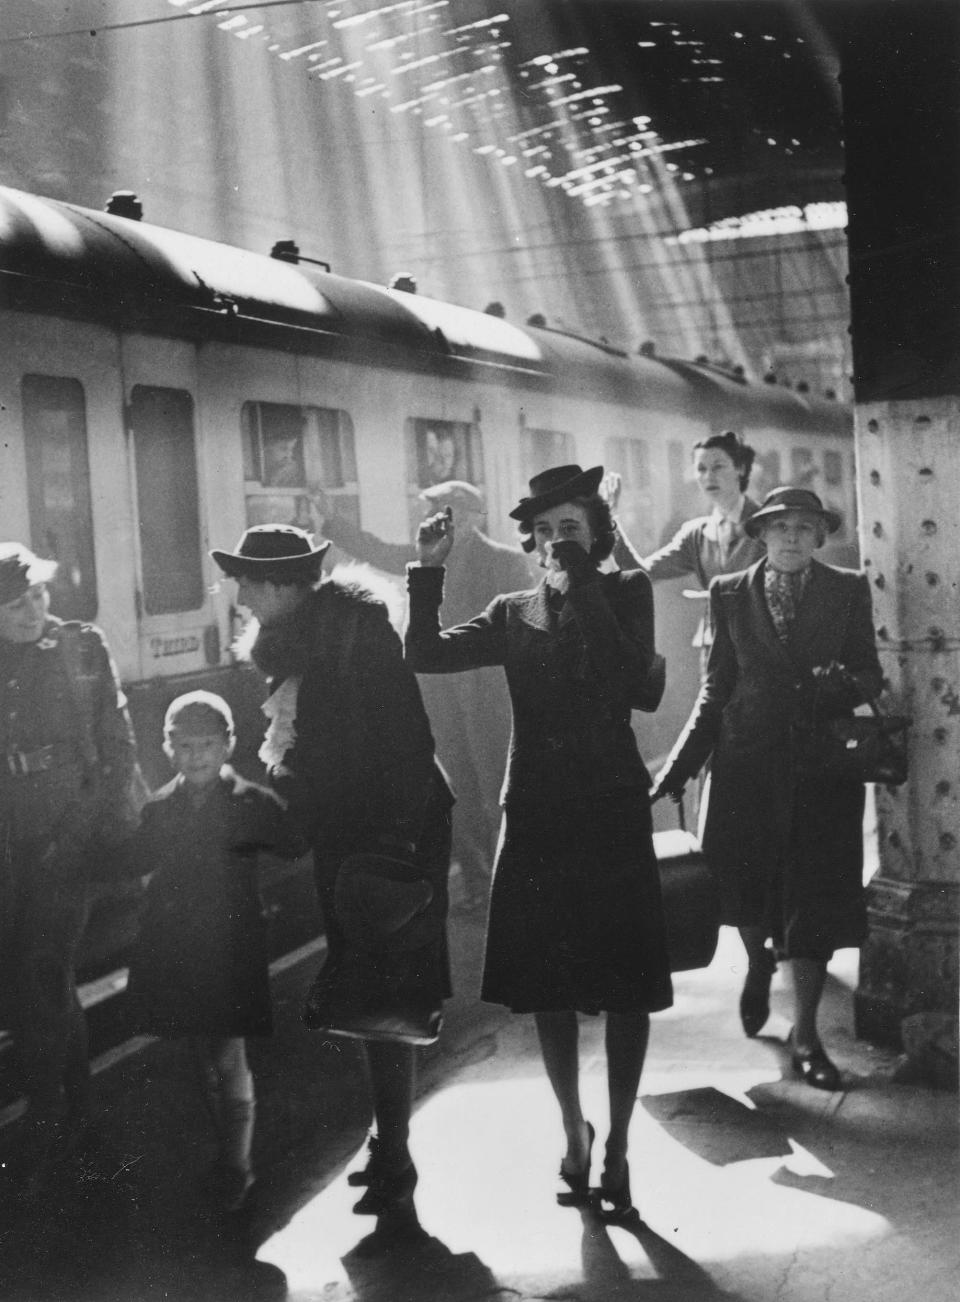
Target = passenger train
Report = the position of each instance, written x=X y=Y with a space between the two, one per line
x=161 y=392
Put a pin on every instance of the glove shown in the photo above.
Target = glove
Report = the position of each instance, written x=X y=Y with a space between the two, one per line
x=575 y=563
x=835 y=685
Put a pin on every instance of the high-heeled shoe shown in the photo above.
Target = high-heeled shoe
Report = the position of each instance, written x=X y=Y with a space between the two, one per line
x=814 y=1067
x=613 y=1201
x=577 y=1182
x=755 y=997
x=389 y=1193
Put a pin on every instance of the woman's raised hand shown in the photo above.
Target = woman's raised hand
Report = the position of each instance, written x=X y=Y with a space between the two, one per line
x=435 y=538
x=610 y=487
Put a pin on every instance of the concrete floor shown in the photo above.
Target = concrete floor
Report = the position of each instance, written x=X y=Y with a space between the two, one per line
x=752 y=1186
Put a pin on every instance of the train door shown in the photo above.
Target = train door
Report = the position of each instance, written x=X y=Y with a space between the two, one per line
x=176 y=628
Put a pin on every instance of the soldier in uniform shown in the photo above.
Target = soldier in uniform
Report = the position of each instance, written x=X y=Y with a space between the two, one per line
x=67 y=756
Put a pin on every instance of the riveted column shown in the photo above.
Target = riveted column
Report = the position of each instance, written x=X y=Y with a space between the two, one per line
x=901 y=105
x=909 y=465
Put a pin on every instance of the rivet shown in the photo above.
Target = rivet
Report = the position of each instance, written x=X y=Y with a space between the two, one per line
x=947 y=841
x=940 y=735
x=931 y=578
x=873 y=426
x=874 y=476
x=894 y=839
x=929 y=527
x=926 y=473
x=943 y=787
x=921 y=422
x=880 y=582
x=877 y=529
x=882 y=633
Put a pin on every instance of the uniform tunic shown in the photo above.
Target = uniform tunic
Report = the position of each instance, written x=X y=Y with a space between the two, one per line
x=50 y=805
x=575 y=912
x=200 y=962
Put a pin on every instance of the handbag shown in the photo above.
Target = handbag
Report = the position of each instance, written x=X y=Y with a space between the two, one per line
x=383 y=985
x=691 y=901
x=363 y=996
x=860 y=747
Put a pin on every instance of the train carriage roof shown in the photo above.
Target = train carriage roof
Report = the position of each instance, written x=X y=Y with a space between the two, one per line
x=64 y=260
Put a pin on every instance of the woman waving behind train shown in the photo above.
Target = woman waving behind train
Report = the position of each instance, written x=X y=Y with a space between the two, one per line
x=576 y=923
x=708 y=545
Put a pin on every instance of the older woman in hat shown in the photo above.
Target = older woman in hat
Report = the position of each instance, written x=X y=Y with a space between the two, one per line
x=576 y=923
x=794 y=645
x=350 y=750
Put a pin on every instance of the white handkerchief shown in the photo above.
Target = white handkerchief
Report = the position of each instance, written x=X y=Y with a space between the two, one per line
x=281 y=709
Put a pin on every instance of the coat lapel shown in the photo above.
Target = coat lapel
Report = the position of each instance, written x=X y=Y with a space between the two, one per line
x=820 y=609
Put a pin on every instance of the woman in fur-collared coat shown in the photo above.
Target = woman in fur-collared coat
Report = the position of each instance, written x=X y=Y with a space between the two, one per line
x=794 y=645
x=576 y=922
x=349 y=749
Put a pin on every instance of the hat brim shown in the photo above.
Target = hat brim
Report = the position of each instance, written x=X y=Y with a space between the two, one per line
x=583 y=485
x=753 y=525
x=307 y=565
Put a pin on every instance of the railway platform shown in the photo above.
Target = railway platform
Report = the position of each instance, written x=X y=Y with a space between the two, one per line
x=751 y=1185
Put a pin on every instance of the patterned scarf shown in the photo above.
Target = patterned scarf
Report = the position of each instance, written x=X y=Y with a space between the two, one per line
x=784 y=593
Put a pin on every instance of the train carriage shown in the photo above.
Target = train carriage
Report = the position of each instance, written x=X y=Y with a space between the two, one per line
x=160 y=392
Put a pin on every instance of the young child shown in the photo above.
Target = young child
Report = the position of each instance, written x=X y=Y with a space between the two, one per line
x=199 y=968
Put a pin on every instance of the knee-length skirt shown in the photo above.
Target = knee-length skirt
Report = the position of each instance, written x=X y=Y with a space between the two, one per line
x=576 y=919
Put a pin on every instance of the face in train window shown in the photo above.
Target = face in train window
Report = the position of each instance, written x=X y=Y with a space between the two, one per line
x=299 y=464
x=444 y=449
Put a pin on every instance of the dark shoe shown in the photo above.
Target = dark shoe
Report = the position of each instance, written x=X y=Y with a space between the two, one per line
x=369 y=1172
x=755 y=997
x=815 y=1068
x=389 y=1194
x=577 y=1182
x=612 y=1200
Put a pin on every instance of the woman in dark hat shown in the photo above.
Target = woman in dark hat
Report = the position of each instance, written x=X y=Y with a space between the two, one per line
x=794 y=645
x=576 y=923
x=349 y=749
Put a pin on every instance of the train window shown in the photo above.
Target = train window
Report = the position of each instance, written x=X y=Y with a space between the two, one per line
x=168 y=500
x=58 y=489
x=803 y=468
x=630 y=459
x=833 y=467
x=765 y=474
x=438 y=450
x=543 y=448
x=287 y=452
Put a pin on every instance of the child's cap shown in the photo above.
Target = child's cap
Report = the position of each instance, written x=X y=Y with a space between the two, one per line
x=198 y=712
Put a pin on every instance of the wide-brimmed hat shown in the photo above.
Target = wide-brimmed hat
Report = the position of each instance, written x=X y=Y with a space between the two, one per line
x=454 y=490
x=383 y=902
x=559 y=484
x=268 y=549
x=20 y=569
x=781 y=500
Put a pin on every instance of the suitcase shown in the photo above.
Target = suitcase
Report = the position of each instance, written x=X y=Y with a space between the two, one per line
x=691 y=901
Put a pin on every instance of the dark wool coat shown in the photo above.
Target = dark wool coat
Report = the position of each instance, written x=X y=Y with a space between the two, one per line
x=786 y=840
x=199 y=966
x=361 y=774
x=470 y=713
x=575 y=912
